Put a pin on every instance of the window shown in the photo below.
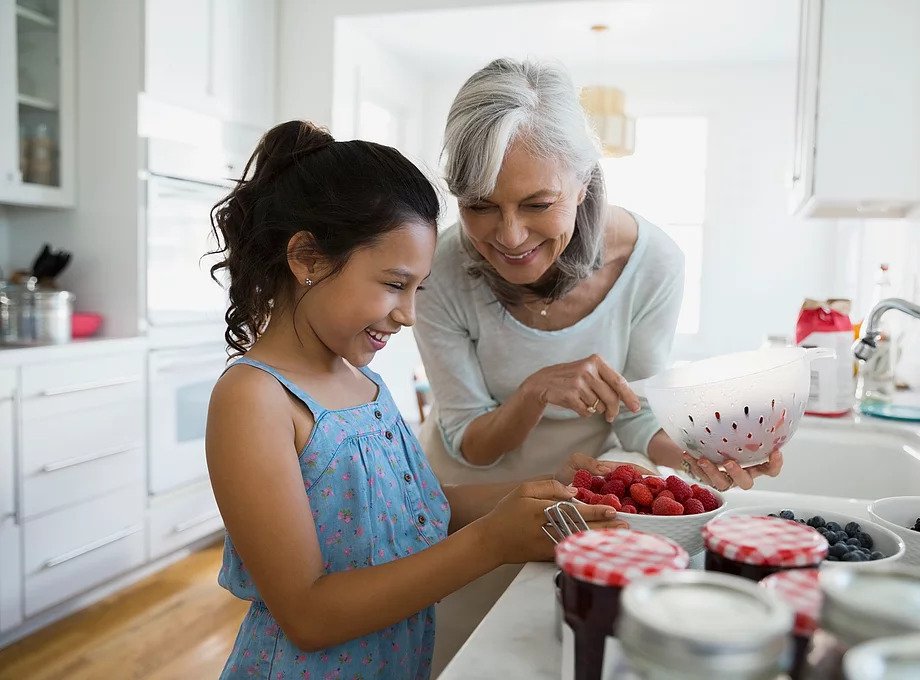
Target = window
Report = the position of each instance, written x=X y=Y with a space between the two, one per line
x=665 y=182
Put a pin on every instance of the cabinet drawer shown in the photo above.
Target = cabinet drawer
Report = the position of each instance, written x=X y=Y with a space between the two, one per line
x=73 y=550
x=80 y=445
x=70 y=376
x=10 y=576
x=181 y=518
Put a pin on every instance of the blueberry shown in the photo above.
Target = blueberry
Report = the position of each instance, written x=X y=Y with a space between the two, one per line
x=842 y=537
x=854 y=542
x=822 y=531
x=865 y=540
x=773 y=514
x=876 y=555
x=817 y=522
x=831 y=558
x=853 y=528
x=787 y=514
x=833 y=526
x=854 y=556
x=838 y=550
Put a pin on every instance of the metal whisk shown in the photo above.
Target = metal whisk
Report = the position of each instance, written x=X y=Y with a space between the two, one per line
x=563 y=518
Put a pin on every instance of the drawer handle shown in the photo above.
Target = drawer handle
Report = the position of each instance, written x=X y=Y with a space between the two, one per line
x=79 y=460
x=82 y=387
x=195 y=521
x=90 y=547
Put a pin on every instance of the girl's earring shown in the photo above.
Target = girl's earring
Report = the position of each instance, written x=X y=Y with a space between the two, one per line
x=308 y=282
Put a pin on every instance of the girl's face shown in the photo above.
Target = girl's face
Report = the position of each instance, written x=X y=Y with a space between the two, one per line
x=355 y=312
x=522 y=228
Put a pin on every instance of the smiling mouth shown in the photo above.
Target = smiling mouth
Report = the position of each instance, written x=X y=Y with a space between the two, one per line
x=379 y=336
x=517 y=257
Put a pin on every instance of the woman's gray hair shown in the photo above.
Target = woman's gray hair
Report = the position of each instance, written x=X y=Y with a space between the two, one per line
x=535 y=104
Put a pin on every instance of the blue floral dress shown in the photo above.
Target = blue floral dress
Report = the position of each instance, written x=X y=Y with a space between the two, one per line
x=374 y=499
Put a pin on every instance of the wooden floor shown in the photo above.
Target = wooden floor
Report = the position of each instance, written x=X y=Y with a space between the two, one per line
x=175 y=625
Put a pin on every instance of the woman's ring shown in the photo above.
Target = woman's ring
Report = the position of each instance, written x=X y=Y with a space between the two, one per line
x=593 y=407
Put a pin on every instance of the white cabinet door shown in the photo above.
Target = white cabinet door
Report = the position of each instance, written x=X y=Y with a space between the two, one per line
x=7 y=430
x=180 y=518
x=244 y=60
x=10 y=575
x=179 y=45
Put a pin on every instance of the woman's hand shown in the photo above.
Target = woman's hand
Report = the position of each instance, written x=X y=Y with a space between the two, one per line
x=586 y=386
x=514 y=529
x=579 y=461
x=734 y=475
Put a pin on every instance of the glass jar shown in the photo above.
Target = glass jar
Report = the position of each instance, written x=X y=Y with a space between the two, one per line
x=596 y=566
x=755 y=547
x=894 y=658
x=701 y=625
x=860 y=604
x=799 y=589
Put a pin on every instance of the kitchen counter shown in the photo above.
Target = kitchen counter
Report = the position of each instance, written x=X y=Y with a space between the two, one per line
x=517 y=638
x=11 y=355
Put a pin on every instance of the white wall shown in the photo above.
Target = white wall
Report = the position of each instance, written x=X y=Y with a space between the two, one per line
x=5 y=264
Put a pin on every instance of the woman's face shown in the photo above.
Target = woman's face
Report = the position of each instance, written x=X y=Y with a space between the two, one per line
x=522 y=228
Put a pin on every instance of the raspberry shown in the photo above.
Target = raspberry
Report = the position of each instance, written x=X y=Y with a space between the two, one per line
x=655 y=484
x=642 y=494
x=667 y=506
x=582 y=479
x=667 y=493
x=597 y=483
x=616 y=487
x=693 y=507
x=679 y=488
x=585 y=495
x=625 y=473
x=628 y=500
x=629 y=509
x=645 y=512
x=706 y=497
x=609 y=499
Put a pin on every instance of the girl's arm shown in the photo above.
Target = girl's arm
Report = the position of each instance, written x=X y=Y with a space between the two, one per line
x=258 y=485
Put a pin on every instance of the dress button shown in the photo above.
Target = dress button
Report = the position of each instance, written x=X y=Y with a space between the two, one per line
x=388 y=434
x=421 y=520
x=378 y=415
x=407 y=477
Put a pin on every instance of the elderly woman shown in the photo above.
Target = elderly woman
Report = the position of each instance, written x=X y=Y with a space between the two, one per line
x=544 y=300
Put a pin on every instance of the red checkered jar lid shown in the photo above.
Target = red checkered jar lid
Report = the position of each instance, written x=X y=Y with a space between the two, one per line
x=615 y=557
x=799 y=588
x=766 y=541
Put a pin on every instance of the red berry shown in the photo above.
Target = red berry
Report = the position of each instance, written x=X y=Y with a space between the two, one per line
x=628 y=500
x=667 y=506
x=693 y=507
x=667 y=493
x=706 y=497
x=642 y=494
x=655 y=484
x=616 y=487
x=679 y=488
x=625 y=473
x=597 y=483
x=645 y=512
x=585 y=495
x=582 y=479
x=609 y=499
x=629 y=509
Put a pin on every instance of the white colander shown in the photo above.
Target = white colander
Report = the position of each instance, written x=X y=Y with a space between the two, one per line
x=734 y=407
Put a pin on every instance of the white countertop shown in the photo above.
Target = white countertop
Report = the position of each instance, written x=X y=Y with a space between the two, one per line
x=517 y=638
x=16 y=355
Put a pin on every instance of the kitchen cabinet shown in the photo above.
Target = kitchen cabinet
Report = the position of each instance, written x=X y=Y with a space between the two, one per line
x=857 y=136
x=175 y=520
x=37 y=100
x=215 y=57
x=10 y=563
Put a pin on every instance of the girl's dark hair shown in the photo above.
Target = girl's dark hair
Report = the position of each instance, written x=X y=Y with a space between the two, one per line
x=345 y=195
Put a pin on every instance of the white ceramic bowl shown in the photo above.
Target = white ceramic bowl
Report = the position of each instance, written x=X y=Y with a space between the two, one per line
x=685 y=530
x=886 y=541
x=897 y=513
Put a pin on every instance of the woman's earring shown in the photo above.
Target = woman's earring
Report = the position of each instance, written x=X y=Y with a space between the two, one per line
x=308 y=282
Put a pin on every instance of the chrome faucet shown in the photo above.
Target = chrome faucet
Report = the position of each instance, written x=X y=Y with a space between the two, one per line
x=865 y=347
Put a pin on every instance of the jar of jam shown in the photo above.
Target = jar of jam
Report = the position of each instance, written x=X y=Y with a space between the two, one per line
x=596 y=566
x=894 y=658
x=755 y=547
x=860 y=604
x=697 y=625
x=799 y=589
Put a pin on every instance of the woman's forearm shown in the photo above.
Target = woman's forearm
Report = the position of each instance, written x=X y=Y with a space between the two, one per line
x=504 y=429
x=662 y=450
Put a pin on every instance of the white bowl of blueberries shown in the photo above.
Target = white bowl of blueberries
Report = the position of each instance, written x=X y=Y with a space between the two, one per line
x=851 y=540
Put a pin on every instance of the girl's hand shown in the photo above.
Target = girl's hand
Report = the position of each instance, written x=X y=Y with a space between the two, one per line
x=734 y=475
x=513 y=531
x=586 y=386
x=579 y=461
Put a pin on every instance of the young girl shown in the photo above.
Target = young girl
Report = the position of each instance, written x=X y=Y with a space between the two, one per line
x=337 y=530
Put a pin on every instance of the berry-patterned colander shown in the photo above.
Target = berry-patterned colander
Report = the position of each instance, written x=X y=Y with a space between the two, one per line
x=734 y=407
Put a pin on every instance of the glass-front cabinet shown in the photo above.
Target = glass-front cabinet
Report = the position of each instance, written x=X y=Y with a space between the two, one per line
x=37 y=100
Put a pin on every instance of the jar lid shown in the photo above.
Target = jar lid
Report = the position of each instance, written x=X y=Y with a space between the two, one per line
x=895 y=658
x=800 y=590
x=696 y=624
x=863 y=603
x=614 y=557
x=767 y=541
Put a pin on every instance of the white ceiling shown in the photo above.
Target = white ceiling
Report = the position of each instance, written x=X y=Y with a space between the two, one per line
x=641 y=31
